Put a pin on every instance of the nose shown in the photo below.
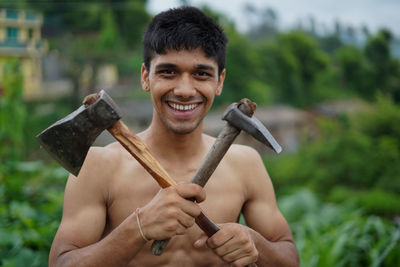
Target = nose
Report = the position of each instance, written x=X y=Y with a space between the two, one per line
x=185 y=87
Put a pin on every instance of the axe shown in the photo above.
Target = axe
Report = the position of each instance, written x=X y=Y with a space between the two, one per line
x=239 y=116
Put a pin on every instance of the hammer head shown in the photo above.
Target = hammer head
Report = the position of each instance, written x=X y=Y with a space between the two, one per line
x=69 y=139
x=251 y=125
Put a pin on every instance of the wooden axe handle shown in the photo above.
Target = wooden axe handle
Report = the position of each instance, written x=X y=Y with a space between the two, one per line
x=141 y=153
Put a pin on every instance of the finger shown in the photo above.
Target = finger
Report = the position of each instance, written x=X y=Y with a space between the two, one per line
x=201 y=241
x=180 y=230
x=244 y=261
x=191 y=191
x=237 y=253
x=186 y=220
x=190 y=208
x=219 y=239
x=227 y=248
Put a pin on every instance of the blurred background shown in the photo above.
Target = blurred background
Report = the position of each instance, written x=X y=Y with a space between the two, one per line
x=325 y=75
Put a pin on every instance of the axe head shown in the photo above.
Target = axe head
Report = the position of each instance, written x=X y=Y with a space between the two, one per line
x=251 y=125
x=69 y=139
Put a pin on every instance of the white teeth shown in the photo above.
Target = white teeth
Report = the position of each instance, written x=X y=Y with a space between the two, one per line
x=183 y=107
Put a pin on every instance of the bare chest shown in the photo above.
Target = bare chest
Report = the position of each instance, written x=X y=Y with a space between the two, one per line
x=134 y=187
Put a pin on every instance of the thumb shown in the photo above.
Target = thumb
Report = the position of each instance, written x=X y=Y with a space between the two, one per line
x=200 y=241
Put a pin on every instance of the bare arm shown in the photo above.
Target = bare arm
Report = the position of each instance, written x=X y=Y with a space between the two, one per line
x=267 y=239
x=78 y=241
x=80 y=238
x=267 y=226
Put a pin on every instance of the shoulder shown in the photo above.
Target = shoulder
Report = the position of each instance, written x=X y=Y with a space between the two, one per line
x=103 y=159
x=244 y=156
x=99 y=167
x=250 y=168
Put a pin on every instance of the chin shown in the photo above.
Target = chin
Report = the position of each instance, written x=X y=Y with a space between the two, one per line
x=182 y=129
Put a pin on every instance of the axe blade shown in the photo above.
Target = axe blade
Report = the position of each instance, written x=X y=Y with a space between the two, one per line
x=69 y=139
x=251 y=125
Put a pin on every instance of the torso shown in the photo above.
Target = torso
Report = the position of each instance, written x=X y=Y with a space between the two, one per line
x=131 y=187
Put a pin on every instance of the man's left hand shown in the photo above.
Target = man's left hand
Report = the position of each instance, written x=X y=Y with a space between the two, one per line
x=232 y=243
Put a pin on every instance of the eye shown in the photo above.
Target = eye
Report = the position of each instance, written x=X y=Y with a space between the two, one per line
x=203 y=74
x=166 y=73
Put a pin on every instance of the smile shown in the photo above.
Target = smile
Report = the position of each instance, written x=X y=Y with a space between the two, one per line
x=180 y=107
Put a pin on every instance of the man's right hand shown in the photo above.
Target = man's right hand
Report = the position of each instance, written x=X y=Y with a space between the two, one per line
x=169 y=213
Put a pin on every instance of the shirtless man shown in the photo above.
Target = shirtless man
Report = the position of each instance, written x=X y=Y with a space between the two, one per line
x=183 y=70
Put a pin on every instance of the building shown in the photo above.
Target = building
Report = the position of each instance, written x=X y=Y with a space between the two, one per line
x=20 y=37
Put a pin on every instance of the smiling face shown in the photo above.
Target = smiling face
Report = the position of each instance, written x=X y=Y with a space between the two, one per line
x=183 y=85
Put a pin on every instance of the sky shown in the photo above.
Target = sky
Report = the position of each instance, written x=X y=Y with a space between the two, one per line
x=373 y=13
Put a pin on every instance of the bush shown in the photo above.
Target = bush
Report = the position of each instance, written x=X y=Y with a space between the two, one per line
x=30 y=210
x=361 y=154
x=372 y=201
x=339 y=235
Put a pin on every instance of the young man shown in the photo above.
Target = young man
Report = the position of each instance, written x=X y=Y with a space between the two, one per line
x=114 y=207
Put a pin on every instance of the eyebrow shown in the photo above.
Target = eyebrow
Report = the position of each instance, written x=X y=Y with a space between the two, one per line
x=205 y=67
x=170 y=65
x=165 y=65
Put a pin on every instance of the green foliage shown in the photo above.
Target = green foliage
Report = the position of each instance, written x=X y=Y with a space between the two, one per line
x=360 y=153
x=87 y=17
x=30 y=211
x=352 y=69
x=375 y=201
x=288 y=69
x=307 y=61
x=108 y=37
x=371 y=69
x=332 y=235
x=12 y=113
x=238 y=81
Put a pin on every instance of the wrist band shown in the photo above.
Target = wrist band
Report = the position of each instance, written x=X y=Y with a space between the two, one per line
x=138 y=222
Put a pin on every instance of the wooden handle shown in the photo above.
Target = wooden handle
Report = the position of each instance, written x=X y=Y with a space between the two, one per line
x=203 y=222
x=139 y=150
x=221 y=145
x=215 y=155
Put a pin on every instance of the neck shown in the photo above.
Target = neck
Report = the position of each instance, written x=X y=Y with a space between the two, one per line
x=172 y=146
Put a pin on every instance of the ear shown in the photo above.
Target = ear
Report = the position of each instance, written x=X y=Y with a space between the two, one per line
x=144 y=78
x=221 y=80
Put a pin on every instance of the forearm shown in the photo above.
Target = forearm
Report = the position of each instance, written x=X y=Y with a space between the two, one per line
x=116 y=249
x=279 y=253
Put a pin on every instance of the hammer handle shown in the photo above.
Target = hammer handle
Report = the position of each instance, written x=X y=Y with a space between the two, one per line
x=221 y=145
x=214 y=156
x=204 y=223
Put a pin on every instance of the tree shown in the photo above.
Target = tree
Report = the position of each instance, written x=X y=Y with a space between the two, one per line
x=265 y=25
x=292 y=66
x=383 y=68
x=352 y=67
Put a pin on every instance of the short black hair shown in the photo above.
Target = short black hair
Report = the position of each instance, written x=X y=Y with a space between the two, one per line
x=184 y=28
